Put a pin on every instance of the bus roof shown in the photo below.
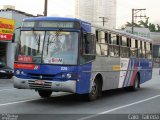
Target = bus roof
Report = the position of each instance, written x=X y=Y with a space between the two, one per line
x=85 y=25
x=122 y=33
x=52 y=19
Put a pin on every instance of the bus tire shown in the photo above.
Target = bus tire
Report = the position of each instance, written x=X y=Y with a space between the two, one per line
x=44 y=93
x=136 y=84
x=95 y=90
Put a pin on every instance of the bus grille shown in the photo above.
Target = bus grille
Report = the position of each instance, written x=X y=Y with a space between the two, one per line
x=41 y=76
x=33 y=85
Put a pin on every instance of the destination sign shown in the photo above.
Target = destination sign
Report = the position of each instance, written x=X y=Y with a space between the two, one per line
x=51 y=24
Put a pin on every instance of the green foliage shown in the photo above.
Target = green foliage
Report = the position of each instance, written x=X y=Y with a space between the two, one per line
x=128 y=24
x=158 y=28
x=145 y=24
x=152 y=27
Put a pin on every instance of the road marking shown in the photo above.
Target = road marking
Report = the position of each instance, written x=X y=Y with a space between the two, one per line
x=18 y=102
x=11 y=103
x=117 y=108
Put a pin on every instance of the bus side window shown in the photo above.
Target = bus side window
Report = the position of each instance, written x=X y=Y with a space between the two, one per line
x=124 y=50
x=97 y=35
x=148 y=50
x=88 y=48
x=89 y=44
x=106 y=38
x=133 y=49
x=102 y=41
x=101 y=37
x=139 y=49
x=114 y=50
x=143 y=49
x=151 y=50
x=98 y=49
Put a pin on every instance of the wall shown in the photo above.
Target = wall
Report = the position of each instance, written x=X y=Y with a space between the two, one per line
x=11 y=47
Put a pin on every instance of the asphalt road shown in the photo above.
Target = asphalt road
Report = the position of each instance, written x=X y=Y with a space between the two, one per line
x=113 y=105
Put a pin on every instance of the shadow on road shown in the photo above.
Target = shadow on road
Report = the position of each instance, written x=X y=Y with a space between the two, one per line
x=71 y=99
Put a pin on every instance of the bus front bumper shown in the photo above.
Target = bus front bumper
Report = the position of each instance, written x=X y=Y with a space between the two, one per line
x=64 y=86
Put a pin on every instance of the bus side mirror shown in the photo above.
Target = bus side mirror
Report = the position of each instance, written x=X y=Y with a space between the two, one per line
x=86 y=42
x=13 y=38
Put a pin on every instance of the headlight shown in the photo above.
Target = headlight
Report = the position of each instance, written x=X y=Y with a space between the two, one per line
x=17 y=72
x=22 y=73
x=2 y=71
x=72 y=75
x=63 y=75
x=69 y=75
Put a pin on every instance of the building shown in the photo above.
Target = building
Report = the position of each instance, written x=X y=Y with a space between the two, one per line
x=143 y=32
x=8 y=49
x=6 y=35
x=94 y=10
x=7 y=6
x=155 y=36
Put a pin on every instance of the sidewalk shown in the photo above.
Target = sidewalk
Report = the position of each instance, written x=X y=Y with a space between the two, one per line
x=155 y=71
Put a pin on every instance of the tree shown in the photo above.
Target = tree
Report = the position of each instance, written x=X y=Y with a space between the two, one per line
x=158 y=28
x=152 y=27
x=145 y=24
x=128 y=24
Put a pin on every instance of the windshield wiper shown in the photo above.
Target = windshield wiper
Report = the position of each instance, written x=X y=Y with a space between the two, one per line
x=39 y=43
x=48 y=43
x=37 y=39
x=52 y=39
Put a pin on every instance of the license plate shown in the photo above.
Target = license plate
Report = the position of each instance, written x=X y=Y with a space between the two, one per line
x=39 y=82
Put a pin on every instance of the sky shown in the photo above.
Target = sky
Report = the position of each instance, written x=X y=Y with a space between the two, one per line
x=124 y=10
x=67 y=8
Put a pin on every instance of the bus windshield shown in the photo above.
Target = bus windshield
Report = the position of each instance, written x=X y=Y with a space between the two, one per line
x=50 y=47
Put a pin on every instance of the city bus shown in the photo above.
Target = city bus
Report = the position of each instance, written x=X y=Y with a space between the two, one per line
x=57 y=54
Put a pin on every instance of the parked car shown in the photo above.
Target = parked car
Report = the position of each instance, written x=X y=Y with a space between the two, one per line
x=5 y=71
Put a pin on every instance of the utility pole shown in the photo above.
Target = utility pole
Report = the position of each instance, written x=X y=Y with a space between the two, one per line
x=45 y=7
x=103 y=20
x=135 y=11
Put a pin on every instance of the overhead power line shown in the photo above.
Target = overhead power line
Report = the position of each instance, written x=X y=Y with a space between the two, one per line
x=134 y=15
x=103 y=19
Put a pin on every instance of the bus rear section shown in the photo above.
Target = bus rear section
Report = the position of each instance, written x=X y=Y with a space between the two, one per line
x=123 y=60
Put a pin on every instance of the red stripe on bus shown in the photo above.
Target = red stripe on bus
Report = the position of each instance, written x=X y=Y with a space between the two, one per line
x=133 y=76
x=24 y=66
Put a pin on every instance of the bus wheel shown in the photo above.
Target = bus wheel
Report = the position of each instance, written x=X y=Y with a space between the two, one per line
x=44 y=93
x=136 y=84
x=95 y=91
